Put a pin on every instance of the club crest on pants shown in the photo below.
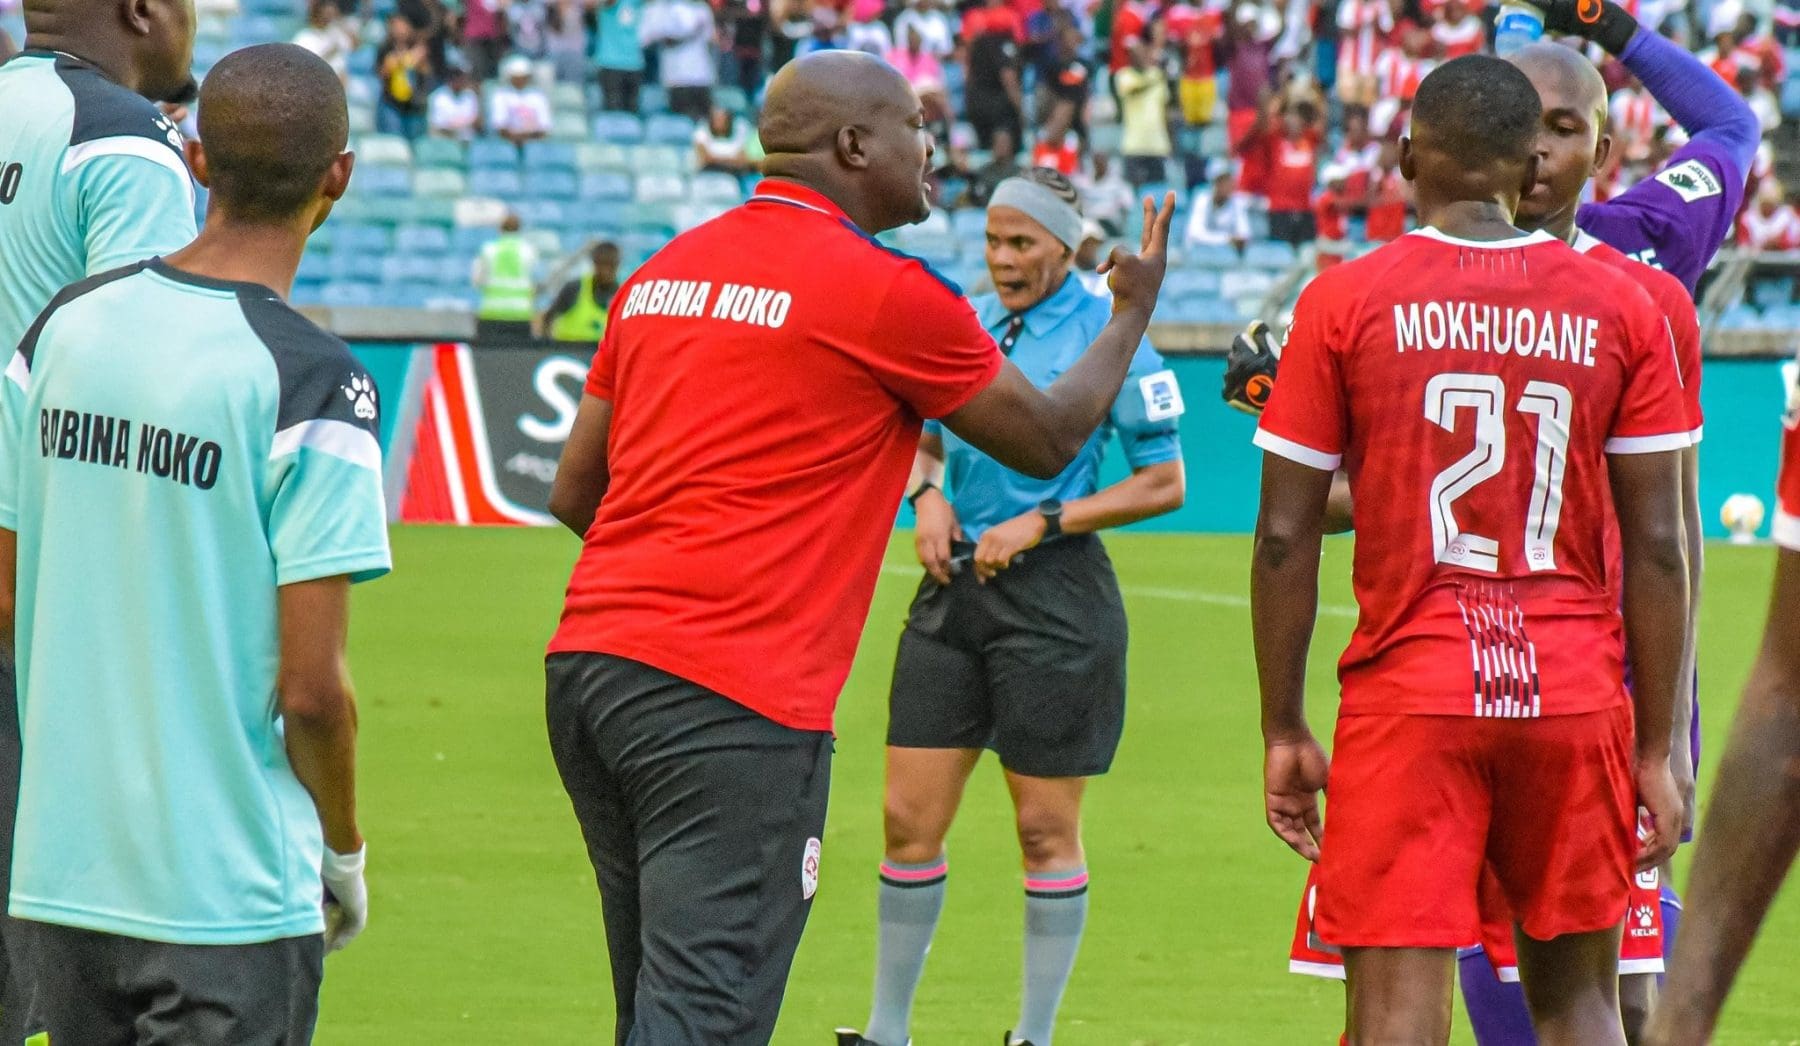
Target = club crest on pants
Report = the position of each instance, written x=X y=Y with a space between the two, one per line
x=809 y=869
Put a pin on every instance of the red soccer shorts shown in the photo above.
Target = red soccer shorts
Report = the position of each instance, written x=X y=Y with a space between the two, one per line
x=1640 y=948
x=1419 y=805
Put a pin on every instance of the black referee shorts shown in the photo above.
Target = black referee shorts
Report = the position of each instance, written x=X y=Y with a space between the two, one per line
x=1031 y=664
x=703 y=821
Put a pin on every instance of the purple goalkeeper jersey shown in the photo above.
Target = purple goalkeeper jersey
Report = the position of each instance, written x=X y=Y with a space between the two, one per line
x=1676 y=219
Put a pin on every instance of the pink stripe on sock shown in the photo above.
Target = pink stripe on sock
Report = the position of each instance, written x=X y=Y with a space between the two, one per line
x=913 y=875
x=1074 y=882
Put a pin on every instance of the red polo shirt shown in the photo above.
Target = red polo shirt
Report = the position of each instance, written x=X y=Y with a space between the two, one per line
x=768 y=373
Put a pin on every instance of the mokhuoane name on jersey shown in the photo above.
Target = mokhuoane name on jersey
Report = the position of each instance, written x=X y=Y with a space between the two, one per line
x=736 y=303
x=101 y=439
x=1503 y=330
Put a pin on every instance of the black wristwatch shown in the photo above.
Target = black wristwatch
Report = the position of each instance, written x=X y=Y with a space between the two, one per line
x=1051 y=510
x=913 y=498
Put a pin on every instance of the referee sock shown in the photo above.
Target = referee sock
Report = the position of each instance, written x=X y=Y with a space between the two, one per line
x=912 y=897
x=1056 y=907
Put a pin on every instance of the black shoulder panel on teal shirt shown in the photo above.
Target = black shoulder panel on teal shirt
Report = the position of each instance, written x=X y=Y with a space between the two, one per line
x=320 y=378
x=105 y=109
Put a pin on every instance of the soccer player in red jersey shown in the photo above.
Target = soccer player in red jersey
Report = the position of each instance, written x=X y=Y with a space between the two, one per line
x=1486 y=392
x=735 y=467
x=1753 y=821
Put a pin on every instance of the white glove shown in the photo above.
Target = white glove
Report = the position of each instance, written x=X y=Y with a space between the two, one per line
x=346 y=897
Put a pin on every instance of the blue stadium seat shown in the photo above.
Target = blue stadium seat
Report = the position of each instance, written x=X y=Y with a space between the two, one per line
x=601 y=156
x=355 y=268
x=688 y=215
x=668 y=129
x=320 y=240
x=552 y=185
x=439 y=152
x=1191 y=283
x=493 y=154
x=1211 y=257
x=361 y=90
x=970 y=225
x=660 y=188
x=453 y=270
x=461 y=299
x=715 y=187
x=207 y=54
x=406 y=295
x=622 y=128
x=471 y=240
x=362 y=62
x=362 y=119
x=568 y=127
x=382 y=150
x=661 y=159
x=1269 y=254
x=496 y=182
x=605 y=185
x=445 y=182
x=543 y=214
x=549 y=156
x=375 y=180
x=1771 y=293
x=404 y=268
x=254 y=27
x=601 y=214
x=352 y=238
x=306 y=293
x=652 y=218
x=733 y=98
x=315 y=267
x=421 y=239
x=653 y=98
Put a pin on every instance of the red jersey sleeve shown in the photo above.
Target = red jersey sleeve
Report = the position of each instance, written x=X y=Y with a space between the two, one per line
x=1684 y=328
x=1653 y=413
x=1306 y=419
x=926 y=346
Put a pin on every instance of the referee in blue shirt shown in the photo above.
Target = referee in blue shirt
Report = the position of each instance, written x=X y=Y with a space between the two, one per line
x=1016 y=640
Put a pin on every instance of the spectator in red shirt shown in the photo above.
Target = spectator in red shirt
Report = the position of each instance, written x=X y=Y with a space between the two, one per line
x=1199 y=32
x=1771 y=224
x=1359 y=154
x=1331 y=213
x=743 y=405
x=1388 y=197
x=1291 y=159
x=996 y=16
x=1456 y=31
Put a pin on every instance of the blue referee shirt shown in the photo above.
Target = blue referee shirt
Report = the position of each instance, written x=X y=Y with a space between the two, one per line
x=1055 y=333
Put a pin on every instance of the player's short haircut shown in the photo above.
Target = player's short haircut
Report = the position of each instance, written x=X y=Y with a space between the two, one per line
x=1479 y=109
x=1054 y=180
x=272 y=119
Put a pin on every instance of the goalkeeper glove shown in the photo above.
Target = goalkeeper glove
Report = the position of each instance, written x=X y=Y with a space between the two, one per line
x=1601 y=21
x=346 y=897
x=1250 y=368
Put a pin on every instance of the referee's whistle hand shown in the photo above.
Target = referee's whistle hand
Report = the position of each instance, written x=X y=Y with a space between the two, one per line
x=1135 y=279
x=934 y=530
x=1003 y=542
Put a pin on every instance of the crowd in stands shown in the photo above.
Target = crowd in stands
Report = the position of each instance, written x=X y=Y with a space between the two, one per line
x=1277 y=119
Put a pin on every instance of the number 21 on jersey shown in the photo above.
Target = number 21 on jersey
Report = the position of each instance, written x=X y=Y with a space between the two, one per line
x=1485 y=395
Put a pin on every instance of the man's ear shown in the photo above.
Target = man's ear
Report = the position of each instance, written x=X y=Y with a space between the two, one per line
x=1409 y=164
x=336 y=180
x=135 y=16
x=1602 y=152
x=196 y=161
x=850 y=150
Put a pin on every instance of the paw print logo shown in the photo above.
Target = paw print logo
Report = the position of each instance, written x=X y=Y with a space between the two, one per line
x=1645 y=917
x=361 y=393
x=170 y=131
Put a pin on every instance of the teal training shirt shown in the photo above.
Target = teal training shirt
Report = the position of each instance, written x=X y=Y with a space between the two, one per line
x=1057 y=331
x=91 y=178
x=172 y=449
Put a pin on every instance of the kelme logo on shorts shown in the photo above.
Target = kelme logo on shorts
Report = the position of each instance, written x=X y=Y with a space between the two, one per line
x=809 y=870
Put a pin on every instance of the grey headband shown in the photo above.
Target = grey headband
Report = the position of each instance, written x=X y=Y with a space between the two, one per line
x=1042 y=206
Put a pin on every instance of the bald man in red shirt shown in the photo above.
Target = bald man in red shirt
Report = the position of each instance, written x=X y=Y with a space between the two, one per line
x=734 y=469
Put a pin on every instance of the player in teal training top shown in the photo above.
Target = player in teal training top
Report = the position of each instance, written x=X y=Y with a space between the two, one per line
x=91 y=177
x=189 y=480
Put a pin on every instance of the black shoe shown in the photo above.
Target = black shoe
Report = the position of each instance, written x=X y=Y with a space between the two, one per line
x=1008 y=1040
x=852 y=1037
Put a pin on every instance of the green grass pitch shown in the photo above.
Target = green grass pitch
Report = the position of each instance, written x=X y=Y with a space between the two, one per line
x=486 y=927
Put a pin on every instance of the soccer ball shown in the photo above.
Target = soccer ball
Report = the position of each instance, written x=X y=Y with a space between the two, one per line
x=1742 y=514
